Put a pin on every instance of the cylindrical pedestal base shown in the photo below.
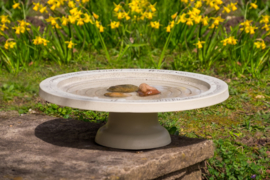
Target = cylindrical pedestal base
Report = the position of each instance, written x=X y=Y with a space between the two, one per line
x=133 y=131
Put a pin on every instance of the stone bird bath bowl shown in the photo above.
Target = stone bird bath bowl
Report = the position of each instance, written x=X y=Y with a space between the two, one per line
x=133 y=121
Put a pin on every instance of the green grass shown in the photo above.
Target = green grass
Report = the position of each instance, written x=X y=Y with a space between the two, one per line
x=239 y=126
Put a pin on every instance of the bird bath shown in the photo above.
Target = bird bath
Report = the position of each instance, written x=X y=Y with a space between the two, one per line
x=133 y=121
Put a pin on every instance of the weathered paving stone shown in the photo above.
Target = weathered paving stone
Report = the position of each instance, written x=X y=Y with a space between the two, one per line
x=37 y=147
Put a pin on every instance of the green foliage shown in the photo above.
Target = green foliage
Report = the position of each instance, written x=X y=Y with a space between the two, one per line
x=67 y=112
x=232 y=161
x=11 y=90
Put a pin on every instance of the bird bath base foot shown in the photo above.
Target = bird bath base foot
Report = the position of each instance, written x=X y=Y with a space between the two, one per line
x=133 y=131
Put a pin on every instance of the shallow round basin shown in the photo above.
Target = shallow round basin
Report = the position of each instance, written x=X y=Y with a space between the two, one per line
x=133 y=122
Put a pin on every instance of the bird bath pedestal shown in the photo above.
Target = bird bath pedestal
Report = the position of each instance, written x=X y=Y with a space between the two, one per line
x=133 y=121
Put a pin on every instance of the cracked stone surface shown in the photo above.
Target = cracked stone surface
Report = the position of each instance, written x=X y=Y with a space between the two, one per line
x=43 y=147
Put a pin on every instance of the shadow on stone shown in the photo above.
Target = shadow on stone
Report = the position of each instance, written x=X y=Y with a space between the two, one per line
x=81 y=135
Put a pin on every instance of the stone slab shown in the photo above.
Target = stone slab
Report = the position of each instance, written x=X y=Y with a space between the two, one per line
x=43 y=147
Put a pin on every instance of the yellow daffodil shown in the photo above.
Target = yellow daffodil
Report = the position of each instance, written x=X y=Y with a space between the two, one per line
x=3 y=27
x=199 y=44
x=52 y=20
x=198 y=4
x=266 y=27
x=4 y=19
x=80 y=22
x=72 y=19
x=247 y=27
x=260 y=45
x=197 y=19
x=43 y=9
x=257 y=44
x=101 y=28
x=120 y=15
x=50 y=2
x=87 y=18
x=95 y=16
x=114 y=24
x=172 y=24
x=71 y=4
x=189 y=22
x=57 y=26
x=22 y=27
x=23 y=23
x=217 y=20
x=9 y=44
x=152 y=7
x=53 y=7
x=184 y=1
x=149 y=15
x=85 y=1
x=182 y=18
x=230 y=40
x=39 y=40
x=155 y=24
x=265 y=19
x=174 y=16
x=117 y=7
x=253 y=5
x=17 y=29
x=226 y=9
x=263 y=45
x=168 y=28
x=97 y=23
x=212 y=26
x=252 y=29
x=36 y=6
x=16 y=5
x=246 y=23
x=216 y=7
x=205 y=20
x=70 y=44
x=233 y=6
x=74 y=11
x=126 y=16
x=196 y=11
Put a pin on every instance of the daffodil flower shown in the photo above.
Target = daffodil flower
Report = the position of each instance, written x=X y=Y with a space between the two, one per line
x=52 y=20
x=174 y=16
x=43 y=9
x=16 y=5
x=114 y=24
x=101 y=28
x=117 y=7
x=71 y=4
x=9 y=44
x=230 y=40
x=199 y=44
x=205 y=20
x=182 y=18
x=152 y=7
x=70 y=44
x=3 y=27
x=168 y=28
x=253 y=5
x=233 y=6
x=155 y=24
x=189 y=22
x=265 y=19
x=4 y=19
x=95 y=16
x=87 y=18
x=39 y=40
